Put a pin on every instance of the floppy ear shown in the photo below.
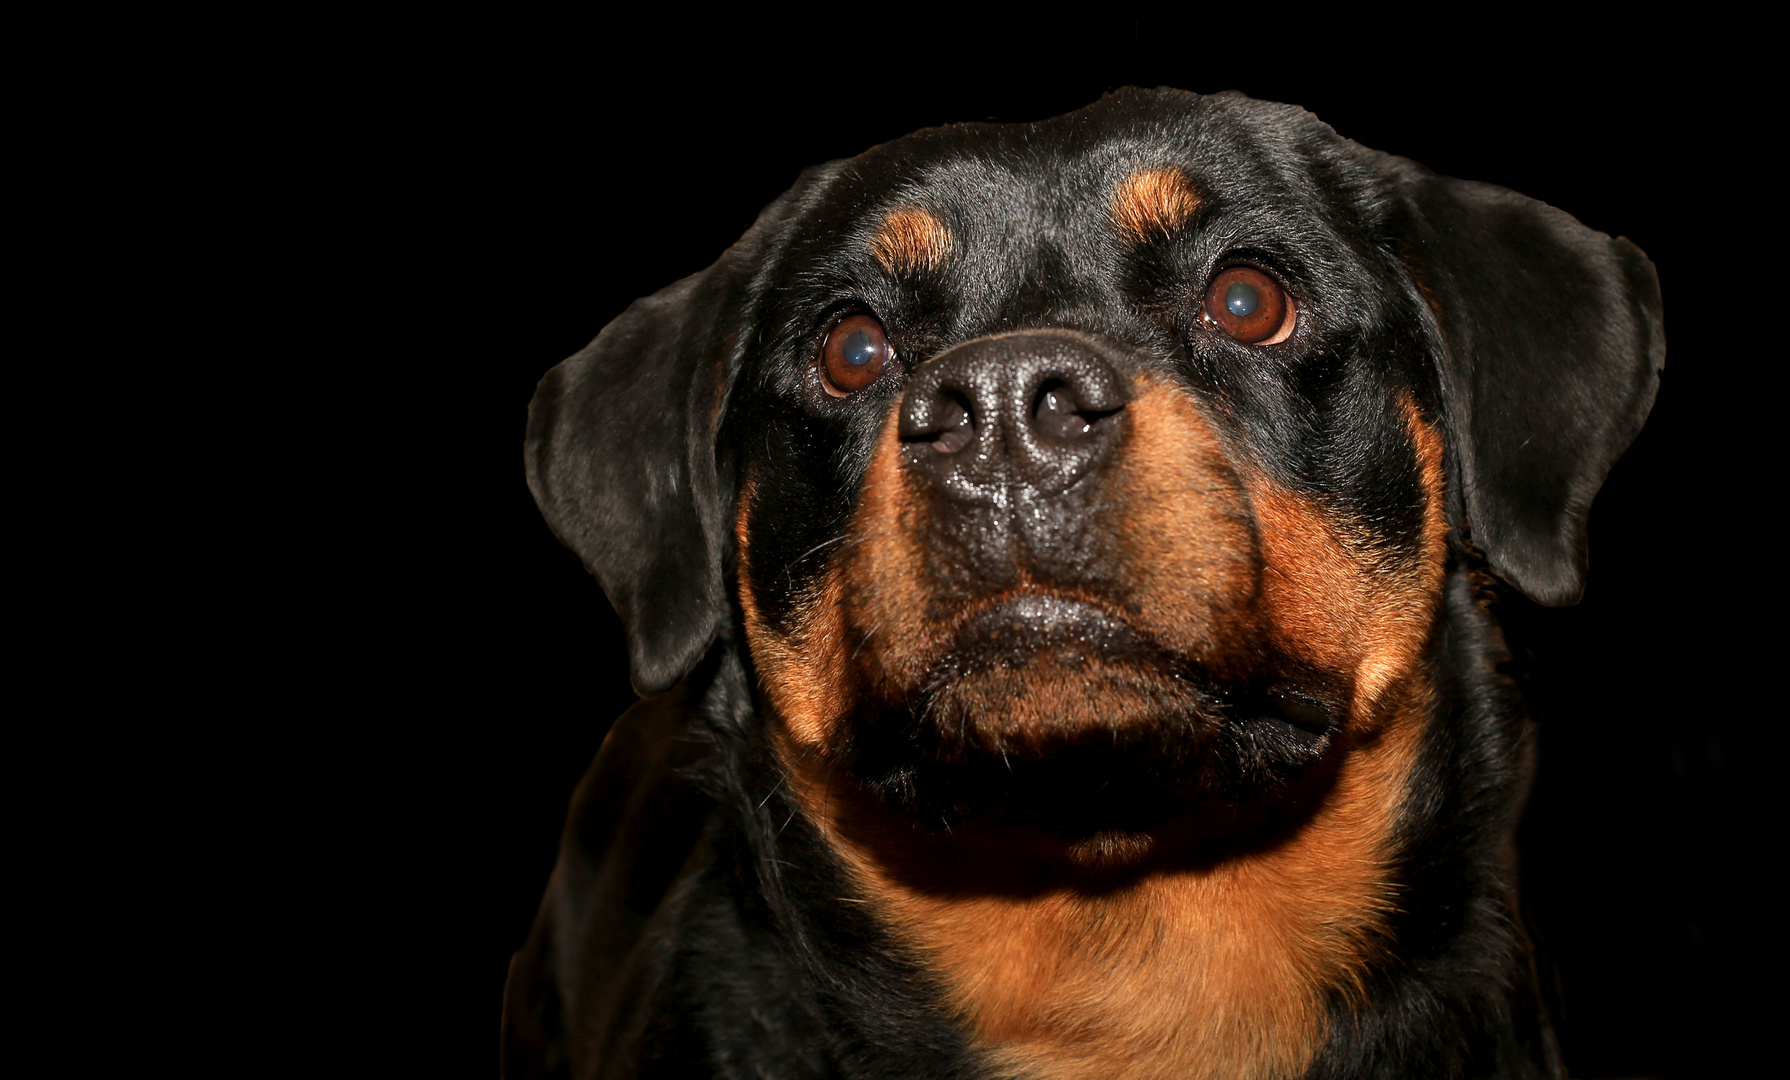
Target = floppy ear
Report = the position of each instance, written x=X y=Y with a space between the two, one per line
x=1553 y=349
x=621 y=460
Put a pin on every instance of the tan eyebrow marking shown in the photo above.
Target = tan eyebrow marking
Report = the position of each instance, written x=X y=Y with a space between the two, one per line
x=1153 y=201
x=910 y=239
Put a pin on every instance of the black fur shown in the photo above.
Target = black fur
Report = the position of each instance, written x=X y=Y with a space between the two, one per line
x=696 y=923
x=691 y=926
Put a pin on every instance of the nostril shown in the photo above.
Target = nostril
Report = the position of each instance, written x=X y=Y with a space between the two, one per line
x=942 y=418
x=1058 y=412
x=957 y=427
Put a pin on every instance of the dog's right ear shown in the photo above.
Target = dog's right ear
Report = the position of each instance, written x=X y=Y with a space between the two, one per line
x=621 y=449
x=621 y=460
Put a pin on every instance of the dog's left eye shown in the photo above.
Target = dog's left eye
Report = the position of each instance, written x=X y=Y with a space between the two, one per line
x=854 y=355
x=1249 y=306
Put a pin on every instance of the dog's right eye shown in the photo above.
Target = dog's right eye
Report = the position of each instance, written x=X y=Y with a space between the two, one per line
x=854 y=355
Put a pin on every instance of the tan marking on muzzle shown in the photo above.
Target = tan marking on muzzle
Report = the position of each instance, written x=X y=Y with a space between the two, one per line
x=860 y=622
x=1185 y=533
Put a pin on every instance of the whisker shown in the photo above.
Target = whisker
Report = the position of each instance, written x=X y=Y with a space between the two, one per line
x=868 y=634
x=768 y=794
x=789 y=572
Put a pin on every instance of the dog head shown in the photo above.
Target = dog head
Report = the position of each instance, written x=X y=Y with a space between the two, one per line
x=1113 y=462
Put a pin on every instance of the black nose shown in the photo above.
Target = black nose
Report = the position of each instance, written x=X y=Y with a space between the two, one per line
x=1035 y=411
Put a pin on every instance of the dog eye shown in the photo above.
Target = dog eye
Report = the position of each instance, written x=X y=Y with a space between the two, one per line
x=1246 y=304
x=854 y=355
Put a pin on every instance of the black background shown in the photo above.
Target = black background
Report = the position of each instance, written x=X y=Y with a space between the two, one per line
x=507 y=190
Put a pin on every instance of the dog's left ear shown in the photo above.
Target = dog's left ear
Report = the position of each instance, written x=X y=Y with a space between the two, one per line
x=1554 y=344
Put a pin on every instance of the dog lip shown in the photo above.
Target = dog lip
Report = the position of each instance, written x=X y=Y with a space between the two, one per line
x=1032 y=621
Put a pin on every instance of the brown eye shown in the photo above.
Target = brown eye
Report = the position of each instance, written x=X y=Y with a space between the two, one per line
x=1248 y=305
x=854 y=355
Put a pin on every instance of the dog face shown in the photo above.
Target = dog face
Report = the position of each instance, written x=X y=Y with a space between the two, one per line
x=1098 y=452
x=1102 y=508
x=1113 y=454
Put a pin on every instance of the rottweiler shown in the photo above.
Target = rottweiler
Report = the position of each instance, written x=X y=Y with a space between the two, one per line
x=1058 y=562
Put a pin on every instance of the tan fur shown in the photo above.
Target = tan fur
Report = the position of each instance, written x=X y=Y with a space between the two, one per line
x=1186 y=536
x=815 y=668
x=795 y=668
x=1337 y=601
x=1153 y=202
x=886 y=565
x=911 y=239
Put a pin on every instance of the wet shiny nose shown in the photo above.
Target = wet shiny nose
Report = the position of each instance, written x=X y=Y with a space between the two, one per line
x=1036 y=412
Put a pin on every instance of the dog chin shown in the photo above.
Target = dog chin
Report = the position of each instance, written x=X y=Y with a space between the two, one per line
x=1057 y=701
x=1078 y=727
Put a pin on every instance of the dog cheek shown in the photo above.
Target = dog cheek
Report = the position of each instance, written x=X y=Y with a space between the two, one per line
x=1186 y=542
x=795 y=664
x=889 y=605
x=860 y=636
x=1343 y=599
